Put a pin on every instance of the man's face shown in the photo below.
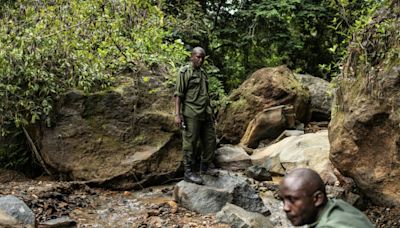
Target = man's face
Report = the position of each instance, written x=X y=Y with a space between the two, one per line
x=197 y=59
x=297 y=204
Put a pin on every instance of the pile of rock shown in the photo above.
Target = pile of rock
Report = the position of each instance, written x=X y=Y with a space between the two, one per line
x=229 y=195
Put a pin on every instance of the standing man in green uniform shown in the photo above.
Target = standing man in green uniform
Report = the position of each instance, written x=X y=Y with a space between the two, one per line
x=305 y=202
x=194 y=115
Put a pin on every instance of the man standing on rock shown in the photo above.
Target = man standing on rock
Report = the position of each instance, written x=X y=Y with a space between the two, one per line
x=194 y=115
x=305 y=202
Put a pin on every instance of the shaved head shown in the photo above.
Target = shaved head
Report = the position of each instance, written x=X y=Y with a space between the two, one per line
x=198 y=55
x=198 y=50
x=305 y=179
x=303 y=194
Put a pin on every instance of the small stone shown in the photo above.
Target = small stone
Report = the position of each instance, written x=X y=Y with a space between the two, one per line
x=258 y=173
x=153 y=212
x=59 y=222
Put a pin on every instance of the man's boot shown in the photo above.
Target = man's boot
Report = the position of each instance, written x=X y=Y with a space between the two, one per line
x=207 y=170
x=192 y=177
x=189 y=175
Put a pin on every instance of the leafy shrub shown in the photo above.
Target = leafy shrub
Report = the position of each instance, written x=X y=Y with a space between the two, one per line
x=48 y=46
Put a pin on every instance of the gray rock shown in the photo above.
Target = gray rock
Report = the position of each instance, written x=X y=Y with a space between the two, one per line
x=258 y=173
x=237 y=217
x=201 y=199
x=321 y=96
x=17 y=209
x=233 y=158
x=218 y=191
x=63 y=222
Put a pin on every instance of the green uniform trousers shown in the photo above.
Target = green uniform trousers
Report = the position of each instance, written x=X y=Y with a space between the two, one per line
x=198 y=130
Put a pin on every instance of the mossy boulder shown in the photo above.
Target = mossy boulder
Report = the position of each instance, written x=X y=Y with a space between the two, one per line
x=266 y=88
x=121 y=138
x=364 y=132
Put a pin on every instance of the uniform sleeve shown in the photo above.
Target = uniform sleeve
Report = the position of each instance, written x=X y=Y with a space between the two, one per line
x=181 y=84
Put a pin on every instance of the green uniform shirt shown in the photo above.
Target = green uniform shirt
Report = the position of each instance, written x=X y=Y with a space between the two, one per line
x=339 y=214
x=192 y=88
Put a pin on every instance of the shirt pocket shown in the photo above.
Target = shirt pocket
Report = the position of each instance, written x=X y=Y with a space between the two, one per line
x=193 y=89
x=194 y=83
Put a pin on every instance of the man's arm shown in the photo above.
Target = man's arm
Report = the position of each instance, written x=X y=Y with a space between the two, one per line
x=180 y=91
x=178 y=118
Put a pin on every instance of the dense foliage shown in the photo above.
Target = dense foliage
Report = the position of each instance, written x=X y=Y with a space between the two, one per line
x=243 y=36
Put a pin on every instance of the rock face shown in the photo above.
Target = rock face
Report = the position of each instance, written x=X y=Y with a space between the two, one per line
x=232 y=158
x=237 y=217
x=365 y=127
x=121 y=138
x=268 y=123
x=308 y=150
x=266 y=88
x=321 y=96
x=17 y=209
x=216 y=192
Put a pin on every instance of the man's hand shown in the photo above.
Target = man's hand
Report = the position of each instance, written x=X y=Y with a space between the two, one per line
x=178 y=120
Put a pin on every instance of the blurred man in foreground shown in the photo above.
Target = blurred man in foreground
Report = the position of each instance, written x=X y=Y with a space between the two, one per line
x=305 y=202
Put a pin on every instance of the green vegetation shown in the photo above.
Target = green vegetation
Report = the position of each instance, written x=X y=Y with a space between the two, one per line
x=243 y=36
x=47 y=47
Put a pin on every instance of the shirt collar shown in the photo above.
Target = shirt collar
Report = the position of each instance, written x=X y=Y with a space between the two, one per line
x=320 y=214
x=194 y=69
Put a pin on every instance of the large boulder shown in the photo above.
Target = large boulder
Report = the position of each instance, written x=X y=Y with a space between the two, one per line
x=122 y=138
x=365 y=128
x=305 y=151
x=216 y=192
x=266 y=88
x=321 y=96
x=17 y=209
